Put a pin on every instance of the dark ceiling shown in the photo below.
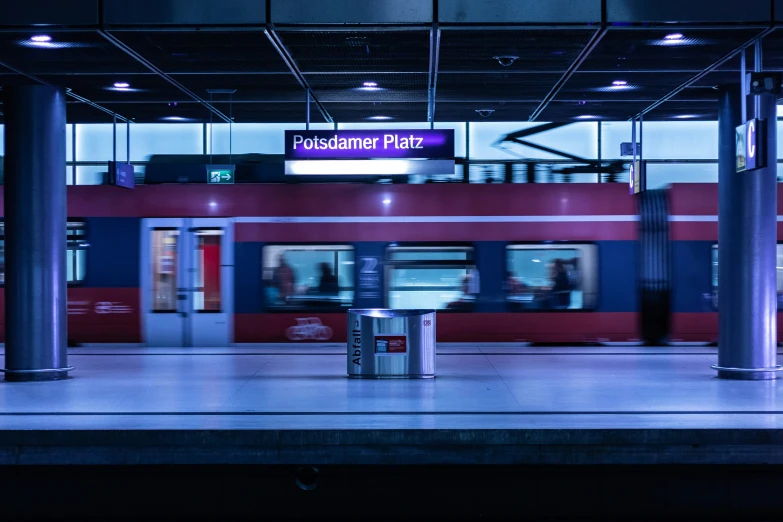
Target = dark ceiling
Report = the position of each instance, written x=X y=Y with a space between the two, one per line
x=563 y=70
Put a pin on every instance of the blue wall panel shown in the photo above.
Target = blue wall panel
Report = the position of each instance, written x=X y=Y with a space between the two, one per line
x=691 y=275
x=113 y=254
x=491 y=263
x=248 y=294
x=617 y=276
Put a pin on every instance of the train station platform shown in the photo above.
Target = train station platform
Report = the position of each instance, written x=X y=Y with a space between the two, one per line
x=631 y=409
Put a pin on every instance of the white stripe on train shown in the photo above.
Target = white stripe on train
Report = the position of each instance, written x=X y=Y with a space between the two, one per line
x=468 y=219
x=435 y=219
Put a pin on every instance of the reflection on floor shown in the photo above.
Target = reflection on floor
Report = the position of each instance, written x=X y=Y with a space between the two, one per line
x=478 y=386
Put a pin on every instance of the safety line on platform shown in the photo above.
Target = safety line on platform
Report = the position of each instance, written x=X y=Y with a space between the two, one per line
x=372 y=413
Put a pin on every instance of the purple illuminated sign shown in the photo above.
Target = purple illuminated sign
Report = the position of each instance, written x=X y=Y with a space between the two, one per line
x=370 y=144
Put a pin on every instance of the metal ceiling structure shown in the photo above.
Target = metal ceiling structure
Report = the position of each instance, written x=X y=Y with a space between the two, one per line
x=396 y=60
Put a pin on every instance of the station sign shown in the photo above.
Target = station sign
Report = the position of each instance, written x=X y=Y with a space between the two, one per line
x=637 y=177
x=220 y=174
x=750 y=145
x=121 y=175
x=370 y=152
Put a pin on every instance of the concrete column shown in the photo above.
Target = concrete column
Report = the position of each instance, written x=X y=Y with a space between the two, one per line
x=35 y=234
x=747 y=238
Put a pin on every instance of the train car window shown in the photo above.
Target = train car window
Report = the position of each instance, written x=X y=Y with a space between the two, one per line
x=75 y=254
x=165 y=252
x=551 y=277
x=713 y=297
x=432 y=277
x=308 y=276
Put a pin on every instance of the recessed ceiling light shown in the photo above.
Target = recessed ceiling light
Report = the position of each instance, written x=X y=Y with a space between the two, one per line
x=587 y=117
x=686 y=116
x=616 y=83
x=379 y=118
x=121 y=85
x=175 y=118
x=387 y=201
x=370 y=84
x=40 y=38
x=673 y=36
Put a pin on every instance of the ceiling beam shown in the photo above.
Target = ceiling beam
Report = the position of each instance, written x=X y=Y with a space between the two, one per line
x=281 y=49
x=69 y=92
x=149 y=65
x=433 y=71
x=704 y=73
x=583 y=54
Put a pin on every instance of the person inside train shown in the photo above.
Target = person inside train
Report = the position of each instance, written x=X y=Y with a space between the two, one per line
x=559 y=296
x=283 y=279
x=513 y=284
x=328 y=283
x=466 y=300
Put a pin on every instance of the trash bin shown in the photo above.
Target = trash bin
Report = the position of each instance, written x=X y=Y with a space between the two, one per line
x=385 y=343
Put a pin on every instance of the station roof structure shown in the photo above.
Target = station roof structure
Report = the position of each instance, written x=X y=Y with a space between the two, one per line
x=386 y=60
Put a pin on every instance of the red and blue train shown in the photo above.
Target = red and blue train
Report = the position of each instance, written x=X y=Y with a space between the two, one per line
x=196 y=264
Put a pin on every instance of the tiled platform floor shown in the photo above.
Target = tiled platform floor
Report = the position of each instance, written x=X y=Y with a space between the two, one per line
x=639 y=392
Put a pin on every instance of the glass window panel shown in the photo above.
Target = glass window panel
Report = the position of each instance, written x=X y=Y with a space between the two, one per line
x=75 y=254
x=437 y=277
x=165 y=251
x=550 y=278
x=663 y=139
x=308 y=276
x=68 y=142
x=580 y=139
x=91 y=175
x=94 y=141
x=254 y=138
x=147 y=139
x=659 y=175
x=206 y=277
x=439 y=288
x=429 y=253
x=779 y=273
x=2 y=140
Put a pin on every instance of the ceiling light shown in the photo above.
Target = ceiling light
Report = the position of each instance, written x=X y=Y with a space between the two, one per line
x=175 y=118
x=379 y=118
x=587 y=117
x=387 y=201
x=40 y=38
x=685 y=116
x=121 y=85
x=212 y=204
x=616 y=83
x=370 y=84
x=673 y=36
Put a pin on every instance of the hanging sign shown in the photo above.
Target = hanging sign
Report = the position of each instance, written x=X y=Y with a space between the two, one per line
x=637 y=176
x=750 y=145
x=382 y=152
x=121 y=175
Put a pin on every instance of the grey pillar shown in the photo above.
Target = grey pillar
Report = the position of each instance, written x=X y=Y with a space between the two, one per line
x=35 y=234
x=747 y=237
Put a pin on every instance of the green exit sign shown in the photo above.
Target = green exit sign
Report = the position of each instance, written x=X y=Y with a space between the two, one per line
x=221 y=174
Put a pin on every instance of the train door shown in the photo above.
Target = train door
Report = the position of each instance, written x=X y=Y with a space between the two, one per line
x=187 y=281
